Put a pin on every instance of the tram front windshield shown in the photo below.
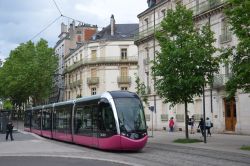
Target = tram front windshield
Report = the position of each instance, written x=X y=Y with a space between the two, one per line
x=131 y=115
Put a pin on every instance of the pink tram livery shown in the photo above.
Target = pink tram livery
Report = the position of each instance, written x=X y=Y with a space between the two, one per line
x=113 y=120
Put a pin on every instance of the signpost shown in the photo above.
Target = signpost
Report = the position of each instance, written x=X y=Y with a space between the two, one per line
x=152 y=109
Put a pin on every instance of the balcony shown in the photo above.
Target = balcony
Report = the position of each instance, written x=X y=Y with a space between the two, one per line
x=124 y=80
x=146 y=32
x=93 y=80
x=101 y=60
x=75 y=84
x=204 y=6
x=220 y=80
x=226 y=37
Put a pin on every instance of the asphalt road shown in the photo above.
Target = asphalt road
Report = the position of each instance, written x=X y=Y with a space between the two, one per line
x=52 y=161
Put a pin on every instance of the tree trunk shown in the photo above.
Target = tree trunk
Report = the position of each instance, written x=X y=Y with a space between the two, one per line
x=186 y=120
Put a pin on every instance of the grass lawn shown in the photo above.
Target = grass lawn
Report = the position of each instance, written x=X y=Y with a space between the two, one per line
x=186 y=141
x=244 y=147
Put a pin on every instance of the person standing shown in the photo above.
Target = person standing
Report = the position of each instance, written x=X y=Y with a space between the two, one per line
x=192 y=124
x=201 y=126
x=171 y=124
x=9 y=130
x=208 y=126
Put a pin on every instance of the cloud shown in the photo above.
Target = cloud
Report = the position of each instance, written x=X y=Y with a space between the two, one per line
x=6 y=47
x=22 y=20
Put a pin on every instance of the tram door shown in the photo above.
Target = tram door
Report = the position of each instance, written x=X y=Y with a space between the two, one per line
x=230 y=114
x=95 y=126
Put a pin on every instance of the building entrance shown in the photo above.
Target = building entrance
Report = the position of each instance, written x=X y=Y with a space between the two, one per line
x=230 y=114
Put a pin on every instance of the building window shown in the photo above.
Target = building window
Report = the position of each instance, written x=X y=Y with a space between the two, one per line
x=226 y=35
x=124 y=71
x=78 y=38
x=163 y=13
x=123 y=53
x=146 y=23
x=124 y=88
x=93 y=72
x=93 y=54
x=93 y=91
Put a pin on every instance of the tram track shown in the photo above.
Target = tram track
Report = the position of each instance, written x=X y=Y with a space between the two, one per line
x=214 y=155
x=167 y=154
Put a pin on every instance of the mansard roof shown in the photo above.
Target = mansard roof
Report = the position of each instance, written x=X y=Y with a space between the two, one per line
x=122 y=32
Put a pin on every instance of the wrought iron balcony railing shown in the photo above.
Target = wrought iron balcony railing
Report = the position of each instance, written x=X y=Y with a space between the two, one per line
x=98 y=60
x=124 y=79
x=148 y=30
x=75 y=84
x=204 y=6
x=93 y=80
x=220 y=80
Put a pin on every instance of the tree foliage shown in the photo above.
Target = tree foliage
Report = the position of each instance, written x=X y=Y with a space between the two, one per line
x=7 y=105
x=141 y=90
x=28 y=72
x=185 y=63
x=238 y=14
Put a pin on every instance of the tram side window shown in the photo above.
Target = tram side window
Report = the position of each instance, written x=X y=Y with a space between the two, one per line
x=107 y=121
x=36 y=120
x=63 y=121
x=27 y=118
x=83 y=120
x=47 y=119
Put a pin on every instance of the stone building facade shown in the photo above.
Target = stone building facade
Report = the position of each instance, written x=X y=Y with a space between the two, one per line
x=70 y=38
x=227 y=115
x=108 y=61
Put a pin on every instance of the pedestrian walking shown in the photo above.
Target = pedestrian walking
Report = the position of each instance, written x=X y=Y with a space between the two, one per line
x=171 y=124
x=9 y=130
x=191 y=122
x=208 y=126
x=201 y=126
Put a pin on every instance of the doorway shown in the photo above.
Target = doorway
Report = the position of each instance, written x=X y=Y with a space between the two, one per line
x=230 y=114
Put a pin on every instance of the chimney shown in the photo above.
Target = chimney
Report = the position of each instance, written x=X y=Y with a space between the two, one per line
x=151 y=3
x=112 y=25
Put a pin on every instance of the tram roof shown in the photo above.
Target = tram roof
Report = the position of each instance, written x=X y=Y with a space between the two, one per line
x=122 y=93
x=64 y=103
x=88 y=98
x=48 y=106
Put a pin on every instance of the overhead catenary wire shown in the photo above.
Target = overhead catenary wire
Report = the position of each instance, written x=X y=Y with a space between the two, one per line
x=57 y=7
x=72 y=19
x=45 y=27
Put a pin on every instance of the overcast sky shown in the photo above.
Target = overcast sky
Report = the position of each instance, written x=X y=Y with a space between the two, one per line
x=22 y=20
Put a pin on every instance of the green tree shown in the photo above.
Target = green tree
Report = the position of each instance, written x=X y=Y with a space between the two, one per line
x=28 y=72
x=238 y=14
x=7 y=105
x=185 y=63
x=141 y=90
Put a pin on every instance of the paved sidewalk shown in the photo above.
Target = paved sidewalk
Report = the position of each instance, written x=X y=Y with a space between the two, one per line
x=221 y=142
